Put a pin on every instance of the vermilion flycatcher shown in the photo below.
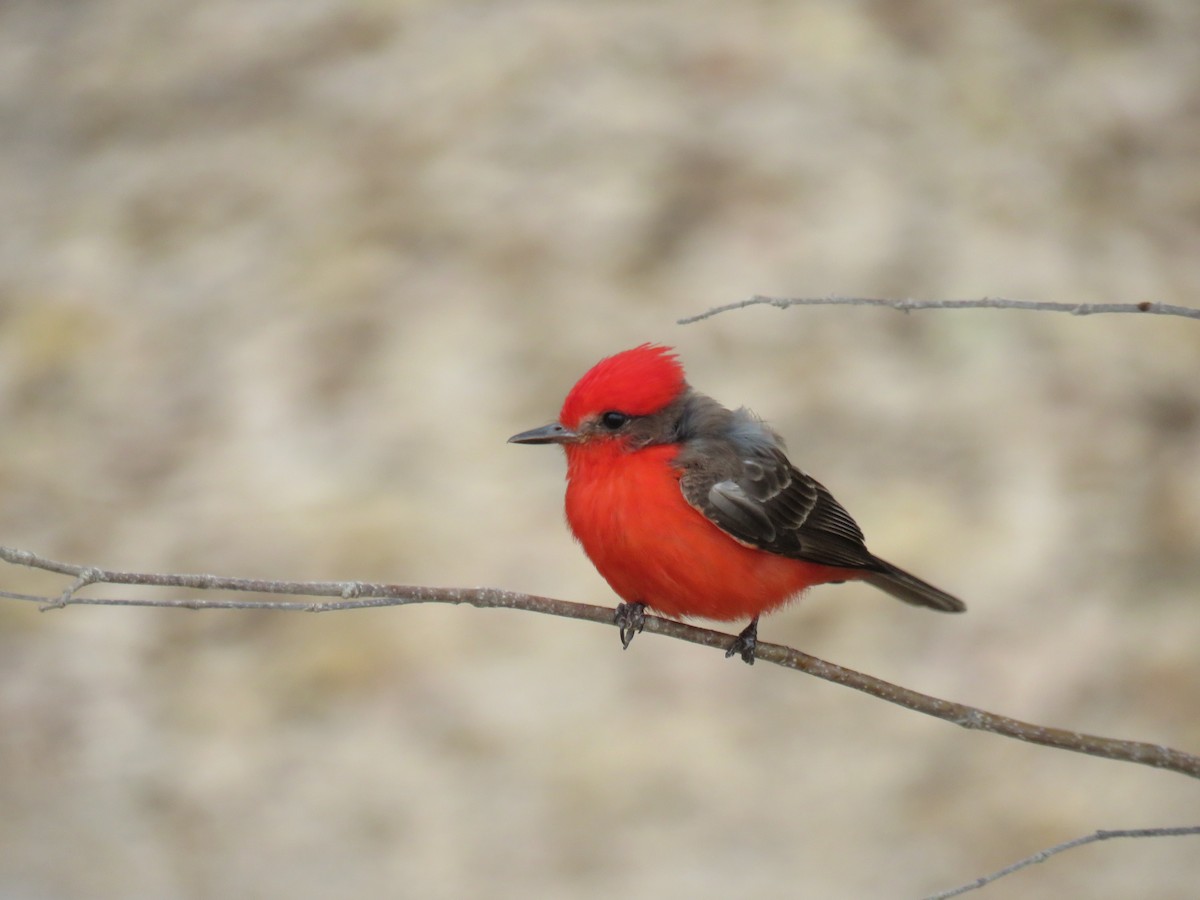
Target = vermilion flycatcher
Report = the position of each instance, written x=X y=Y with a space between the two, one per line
x=690 y=509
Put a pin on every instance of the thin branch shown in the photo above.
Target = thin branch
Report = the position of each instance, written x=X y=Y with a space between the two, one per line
x=1075 y=309
x=358 y=595
x=1043 y=855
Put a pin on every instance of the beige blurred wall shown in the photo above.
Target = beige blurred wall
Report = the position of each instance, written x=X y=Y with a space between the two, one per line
x=277 y=279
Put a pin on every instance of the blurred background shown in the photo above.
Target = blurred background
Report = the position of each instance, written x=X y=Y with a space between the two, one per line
x=278 y=279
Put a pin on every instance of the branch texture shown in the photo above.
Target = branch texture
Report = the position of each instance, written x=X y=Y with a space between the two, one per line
x=1043 y=855
x=360 y=595
x=1075 y=309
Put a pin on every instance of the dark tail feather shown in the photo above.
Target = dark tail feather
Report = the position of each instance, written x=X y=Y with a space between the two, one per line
x=911 y=589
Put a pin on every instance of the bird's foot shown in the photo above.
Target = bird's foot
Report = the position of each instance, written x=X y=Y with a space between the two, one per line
x=745 y=643
x=630 y=618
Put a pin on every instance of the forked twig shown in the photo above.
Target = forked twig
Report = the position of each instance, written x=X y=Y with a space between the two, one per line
x=360 y=595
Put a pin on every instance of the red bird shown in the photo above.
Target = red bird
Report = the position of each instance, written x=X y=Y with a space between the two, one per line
x=690 y=509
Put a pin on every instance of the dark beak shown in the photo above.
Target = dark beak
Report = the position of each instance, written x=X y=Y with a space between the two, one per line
x=547 y=434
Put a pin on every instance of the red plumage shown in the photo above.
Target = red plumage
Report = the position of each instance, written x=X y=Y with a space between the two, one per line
x=691 y=509
x=654 y=548
x=637 y=382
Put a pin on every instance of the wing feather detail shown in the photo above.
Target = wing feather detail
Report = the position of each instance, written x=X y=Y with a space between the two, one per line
x=742 y=481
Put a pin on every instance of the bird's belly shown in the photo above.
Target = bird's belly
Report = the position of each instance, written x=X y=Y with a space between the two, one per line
x=654 y=548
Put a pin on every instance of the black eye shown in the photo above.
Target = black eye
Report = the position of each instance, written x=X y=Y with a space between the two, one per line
x=613 y=420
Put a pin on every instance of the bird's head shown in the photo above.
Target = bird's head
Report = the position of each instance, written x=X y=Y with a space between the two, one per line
x=613 y=400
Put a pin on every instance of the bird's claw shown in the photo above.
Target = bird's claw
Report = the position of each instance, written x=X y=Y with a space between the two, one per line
x=745 y=644
x=630 y=618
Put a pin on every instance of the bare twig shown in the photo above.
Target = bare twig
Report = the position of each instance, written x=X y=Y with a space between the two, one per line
x=1075 y=309
x=1043 y=855
x=358 y=595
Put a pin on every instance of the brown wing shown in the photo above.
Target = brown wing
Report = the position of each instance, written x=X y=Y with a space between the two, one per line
x=734 y=471
x=758 y=497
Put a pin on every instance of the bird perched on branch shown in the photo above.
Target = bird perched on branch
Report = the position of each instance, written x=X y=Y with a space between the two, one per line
x=691 y=509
